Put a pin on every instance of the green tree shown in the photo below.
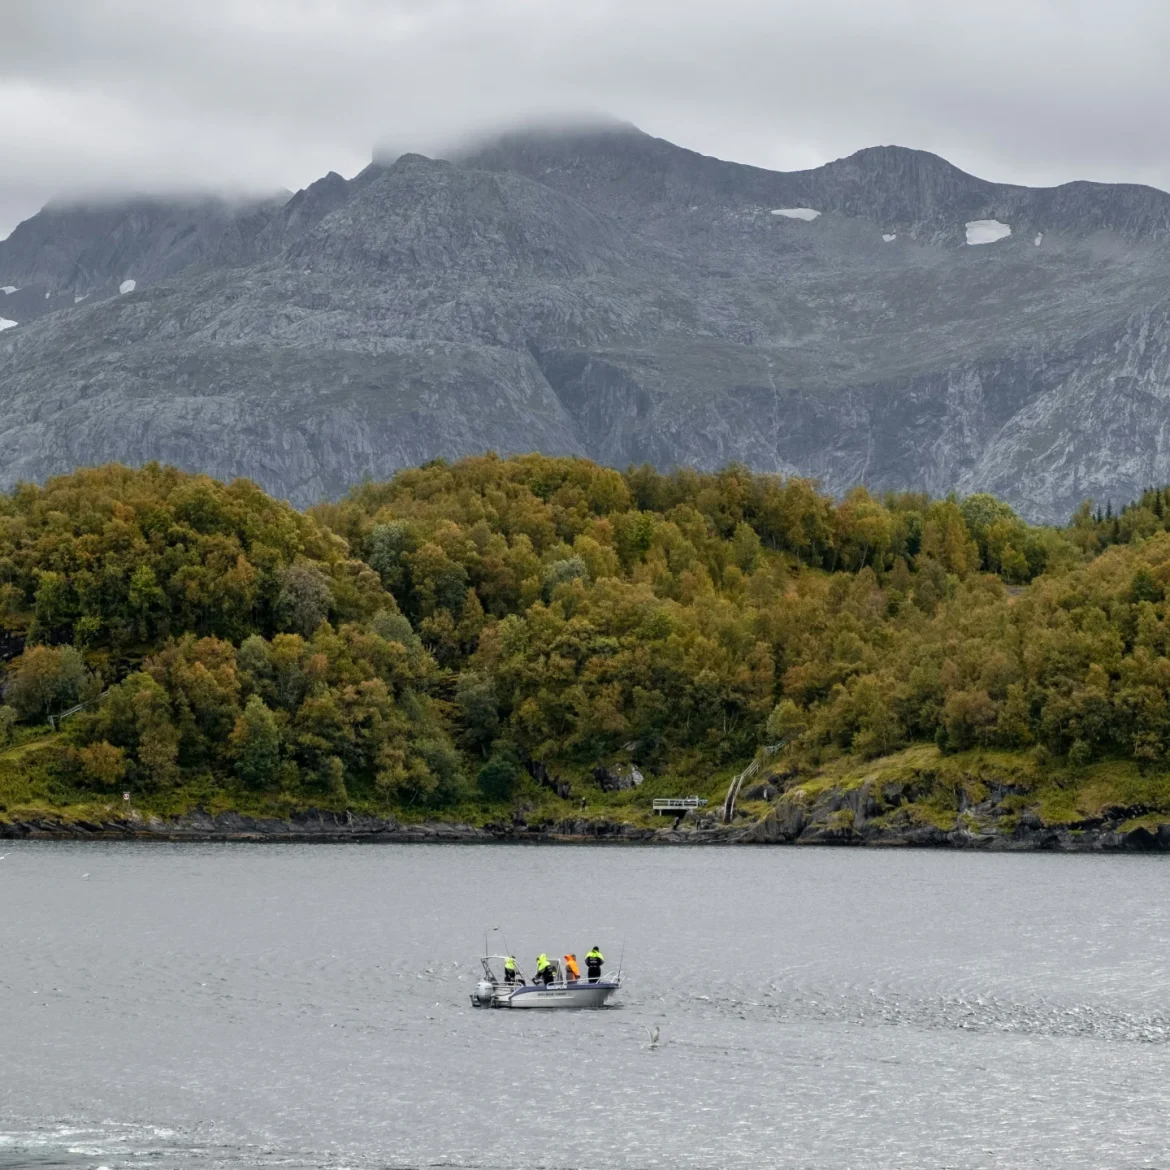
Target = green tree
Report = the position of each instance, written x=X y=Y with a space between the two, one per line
x=478 y=707
x=387 y=547
x=255 y=744
x=304 y=600
x=498 y=778
x=155 y=730
x=557 y=573
x=47 y=679
x=745 y=547
x=144 y=600
x=1143 y=586
x=54 y=603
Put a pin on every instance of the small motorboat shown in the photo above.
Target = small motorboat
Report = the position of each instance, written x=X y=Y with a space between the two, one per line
x=491 y=992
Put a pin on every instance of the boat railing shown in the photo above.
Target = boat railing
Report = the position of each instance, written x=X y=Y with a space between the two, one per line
x=560 y=983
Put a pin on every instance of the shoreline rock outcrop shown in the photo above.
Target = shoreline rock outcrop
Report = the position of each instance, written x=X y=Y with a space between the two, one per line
x=787 y=824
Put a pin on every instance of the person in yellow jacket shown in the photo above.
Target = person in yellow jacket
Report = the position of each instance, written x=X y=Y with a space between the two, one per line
x=544 y=969
x=593 y=962
x=510 y=969
x=572 y=971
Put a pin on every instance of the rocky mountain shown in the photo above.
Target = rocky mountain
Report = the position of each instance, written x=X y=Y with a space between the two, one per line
x=885 y=319
x=70 y=251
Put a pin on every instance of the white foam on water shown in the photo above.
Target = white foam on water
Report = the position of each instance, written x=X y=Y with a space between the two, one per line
x=986 y=231
x=889 y=237
x=1039 y=237
x=127 y=286
x=805 y=213
x=6 y=324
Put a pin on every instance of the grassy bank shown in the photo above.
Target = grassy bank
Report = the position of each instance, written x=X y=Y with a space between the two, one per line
x=980 y=791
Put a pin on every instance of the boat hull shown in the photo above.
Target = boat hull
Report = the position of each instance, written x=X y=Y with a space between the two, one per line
x=557 y=996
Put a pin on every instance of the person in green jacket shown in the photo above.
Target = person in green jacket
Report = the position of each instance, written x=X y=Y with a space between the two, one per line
x=593 y=962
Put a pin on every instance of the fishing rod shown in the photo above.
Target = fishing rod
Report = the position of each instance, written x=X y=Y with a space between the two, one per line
x=622 y=956
x=503 y=937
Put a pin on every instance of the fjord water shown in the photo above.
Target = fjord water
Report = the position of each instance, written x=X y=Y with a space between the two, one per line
x=307 y=1005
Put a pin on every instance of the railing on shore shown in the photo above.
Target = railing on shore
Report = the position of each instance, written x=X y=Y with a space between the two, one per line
x=748 y=772
x=54 y=720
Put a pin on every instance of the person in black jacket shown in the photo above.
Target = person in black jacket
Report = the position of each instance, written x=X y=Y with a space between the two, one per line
x=593 y=962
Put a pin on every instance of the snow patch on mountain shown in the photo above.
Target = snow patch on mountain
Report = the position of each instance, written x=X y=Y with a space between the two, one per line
x=890 y=237
x=805 y=213
x=986 y=231
x=127 y=286
x=9 y=288
x=6 y=324
x=1039 y=237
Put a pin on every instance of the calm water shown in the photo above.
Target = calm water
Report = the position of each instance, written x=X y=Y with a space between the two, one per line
x=303 y=1006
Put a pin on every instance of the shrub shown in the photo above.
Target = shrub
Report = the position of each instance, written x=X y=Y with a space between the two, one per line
x=102 y=764
x=8 y=718
x=497 y=778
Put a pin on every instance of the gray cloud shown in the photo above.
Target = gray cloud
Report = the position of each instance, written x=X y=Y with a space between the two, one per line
x=120 y=95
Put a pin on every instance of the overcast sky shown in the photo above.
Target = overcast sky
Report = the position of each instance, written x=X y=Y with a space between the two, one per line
x=119 y=95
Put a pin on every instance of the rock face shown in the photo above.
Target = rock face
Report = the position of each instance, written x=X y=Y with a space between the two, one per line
x=608 y=294
x=619 y=778
x=874 y=813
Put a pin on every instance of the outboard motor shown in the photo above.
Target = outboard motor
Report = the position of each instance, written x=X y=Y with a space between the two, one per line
x=484 y=993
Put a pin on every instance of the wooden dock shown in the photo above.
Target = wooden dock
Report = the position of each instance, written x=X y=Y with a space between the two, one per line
x=678 y=804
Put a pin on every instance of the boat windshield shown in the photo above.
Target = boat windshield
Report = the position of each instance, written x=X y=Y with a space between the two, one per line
x=493 y=968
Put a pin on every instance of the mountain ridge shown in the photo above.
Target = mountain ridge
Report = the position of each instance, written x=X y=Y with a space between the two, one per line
x=839 y=182
x=606 y=293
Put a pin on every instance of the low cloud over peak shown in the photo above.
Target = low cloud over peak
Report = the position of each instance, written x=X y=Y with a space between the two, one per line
x=249 y=95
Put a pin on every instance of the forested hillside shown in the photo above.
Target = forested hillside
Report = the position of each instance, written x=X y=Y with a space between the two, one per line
x=508 y=638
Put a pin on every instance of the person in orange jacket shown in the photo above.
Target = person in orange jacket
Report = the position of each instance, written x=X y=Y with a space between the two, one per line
x=572 y=973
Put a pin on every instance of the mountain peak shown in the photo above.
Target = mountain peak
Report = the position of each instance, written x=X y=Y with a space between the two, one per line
x=429 y=213
x=893 y=150
x=903 y=166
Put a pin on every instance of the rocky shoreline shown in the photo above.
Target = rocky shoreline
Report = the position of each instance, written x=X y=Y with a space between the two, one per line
x=317 y=826
x=774 y=829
